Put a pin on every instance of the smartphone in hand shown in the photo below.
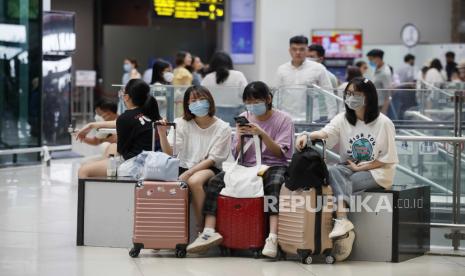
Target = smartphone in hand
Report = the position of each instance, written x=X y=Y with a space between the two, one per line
x=241 y=120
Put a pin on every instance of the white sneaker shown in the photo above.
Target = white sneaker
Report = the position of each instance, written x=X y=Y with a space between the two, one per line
x=204 y=242
x=271 y=248
x=342 y=246
x=341 y=227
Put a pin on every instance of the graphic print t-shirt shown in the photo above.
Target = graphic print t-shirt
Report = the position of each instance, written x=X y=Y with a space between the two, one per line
x=134 y=132
x=365 y=143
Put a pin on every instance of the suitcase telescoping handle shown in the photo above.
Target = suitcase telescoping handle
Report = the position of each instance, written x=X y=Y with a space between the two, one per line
x=242 y=144
x=154 y=132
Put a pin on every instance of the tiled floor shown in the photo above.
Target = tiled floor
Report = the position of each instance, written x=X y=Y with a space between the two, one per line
x=37 y=237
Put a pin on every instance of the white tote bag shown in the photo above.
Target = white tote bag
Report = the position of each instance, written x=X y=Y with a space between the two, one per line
x=241 y=181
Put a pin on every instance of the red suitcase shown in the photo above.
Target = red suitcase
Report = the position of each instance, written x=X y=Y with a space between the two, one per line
x=161 y=215
x=241 y=222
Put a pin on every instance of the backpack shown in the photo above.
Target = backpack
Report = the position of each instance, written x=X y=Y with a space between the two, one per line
x=307 y=170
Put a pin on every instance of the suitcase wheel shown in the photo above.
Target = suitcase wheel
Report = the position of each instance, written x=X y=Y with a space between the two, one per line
x=180 y=253
x=134 y=252
x=225 y=252
x=307 y=260
x=257 y=254
x=281 y=255
x=330 y=259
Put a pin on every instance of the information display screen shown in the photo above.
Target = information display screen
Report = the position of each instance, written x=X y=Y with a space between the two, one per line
x=339 y=43
x=189 y=9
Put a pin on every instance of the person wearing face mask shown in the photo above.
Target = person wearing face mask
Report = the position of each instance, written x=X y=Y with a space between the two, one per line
x=382 y=78
x=104 y=111
x=130 y=70
x=203 y=143
x=367 y=148
x=276 y=130
x=133 y=128
x=162 y=73
x=316 y=53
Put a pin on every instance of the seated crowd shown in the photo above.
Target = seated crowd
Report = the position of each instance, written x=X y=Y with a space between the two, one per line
x=365 y=138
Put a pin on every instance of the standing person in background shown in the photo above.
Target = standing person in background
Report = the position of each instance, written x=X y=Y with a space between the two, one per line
x=451 y=65
x=147 y=76
x=221 y=72
x=130 y=70
x=461 y=68
x=162 y=73
x=182 y=76
x=304 y=73
x=316 y=53
x=382 y=78
x=197 y=67
x=407 y=72
x=351 y=73
x=434 y=75
x=394 y=76
x=363 y=66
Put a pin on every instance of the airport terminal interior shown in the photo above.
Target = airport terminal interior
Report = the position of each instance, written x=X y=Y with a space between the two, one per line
x=232 y=137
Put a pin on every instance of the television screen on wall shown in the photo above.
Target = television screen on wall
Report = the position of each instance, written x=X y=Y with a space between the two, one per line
x=339 y=43
x=189 y=9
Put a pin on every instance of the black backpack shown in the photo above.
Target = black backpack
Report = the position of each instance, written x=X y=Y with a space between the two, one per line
x=307 y=170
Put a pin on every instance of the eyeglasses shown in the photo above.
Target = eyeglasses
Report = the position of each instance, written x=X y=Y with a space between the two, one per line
x=353 y=93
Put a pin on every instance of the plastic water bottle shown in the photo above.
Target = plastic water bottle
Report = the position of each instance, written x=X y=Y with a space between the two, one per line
x=112 y=166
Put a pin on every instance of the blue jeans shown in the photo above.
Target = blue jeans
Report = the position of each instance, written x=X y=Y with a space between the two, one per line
x=346 y=182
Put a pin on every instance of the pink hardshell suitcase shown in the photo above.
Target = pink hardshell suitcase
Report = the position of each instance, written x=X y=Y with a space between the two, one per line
x=161 y=215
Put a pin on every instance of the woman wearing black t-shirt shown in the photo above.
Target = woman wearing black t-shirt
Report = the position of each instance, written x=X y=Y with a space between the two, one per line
x=133 y=127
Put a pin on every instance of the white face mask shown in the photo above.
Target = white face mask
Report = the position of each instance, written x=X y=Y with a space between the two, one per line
x=313 y=59
x=168 y=76
x=355 y=102
x=98 y=118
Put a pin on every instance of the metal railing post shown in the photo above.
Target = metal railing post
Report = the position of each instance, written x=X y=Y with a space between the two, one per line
x=309 y=109
x=455 y=235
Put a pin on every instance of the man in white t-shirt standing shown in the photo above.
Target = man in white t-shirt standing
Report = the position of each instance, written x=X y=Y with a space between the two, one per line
x=295 y=76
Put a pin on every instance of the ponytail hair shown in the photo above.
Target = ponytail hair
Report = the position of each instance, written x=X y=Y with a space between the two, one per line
x=221 y=63
x=139 y=92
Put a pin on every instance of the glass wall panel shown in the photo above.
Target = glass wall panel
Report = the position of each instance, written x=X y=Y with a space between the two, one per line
x=20 y=75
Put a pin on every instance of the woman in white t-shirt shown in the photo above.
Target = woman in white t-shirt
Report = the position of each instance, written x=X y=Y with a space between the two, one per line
x=222 y=73
x=367 y=147
x=203 y=143
x=435 y=75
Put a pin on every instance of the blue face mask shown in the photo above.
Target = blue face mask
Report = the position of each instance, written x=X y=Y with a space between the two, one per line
x=257 y=109
x=199 y=108
x=127 y=67
x=372 y=63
